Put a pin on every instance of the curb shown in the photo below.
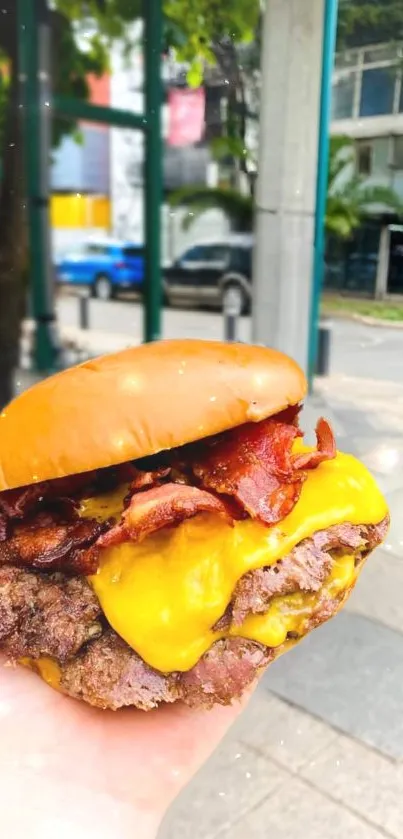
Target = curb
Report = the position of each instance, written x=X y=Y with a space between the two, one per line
x=367 y=320
x=86 y=342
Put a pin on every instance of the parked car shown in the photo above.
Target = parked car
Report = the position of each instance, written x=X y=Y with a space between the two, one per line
x=214 y=273
x=104 y=266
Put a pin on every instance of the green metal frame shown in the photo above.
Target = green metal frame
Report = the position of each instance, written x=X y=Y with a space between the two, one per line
x=329 y=44
x=37 y=163
x=153 y=168
x=67 y=106
x=32 y=61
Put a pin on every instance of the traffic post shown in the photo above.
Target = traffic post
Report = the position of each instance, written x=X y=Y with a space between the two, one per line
x=84 y=307
x=232 y=311
x=322 y=367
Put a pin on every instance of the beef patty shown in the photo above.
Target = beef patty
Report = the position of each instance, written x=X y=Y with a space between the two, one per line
x=57 y=616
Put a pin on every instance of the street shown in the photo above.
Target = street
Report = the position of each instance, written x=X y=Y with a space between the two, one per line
x=357 y=350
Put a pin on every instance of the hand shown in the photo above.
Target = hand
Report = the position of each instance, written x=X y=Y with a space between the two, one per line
x=68 y=771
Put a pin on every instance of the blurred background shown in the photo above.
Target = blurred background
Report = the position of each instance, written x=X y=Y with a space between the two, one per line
x=232 y=171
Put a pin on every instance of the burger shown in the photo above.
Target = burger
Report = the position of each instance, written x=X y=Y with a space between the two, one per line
x=165 y=534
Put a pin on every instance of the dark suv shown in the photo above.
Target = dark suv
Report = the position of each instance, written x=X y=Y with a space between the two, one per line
x=214 y=273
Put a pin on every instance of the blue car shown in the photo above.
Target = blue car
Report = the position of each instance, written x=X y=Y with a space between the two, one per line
x=104 y=266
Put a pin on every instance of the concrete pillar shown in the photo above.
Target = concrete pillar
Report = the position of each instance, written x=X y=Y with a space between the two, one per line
x=291 y=74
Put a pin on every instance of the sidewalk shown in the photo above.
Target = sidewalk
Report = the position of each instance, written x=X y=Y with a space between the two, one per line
x=319 y=752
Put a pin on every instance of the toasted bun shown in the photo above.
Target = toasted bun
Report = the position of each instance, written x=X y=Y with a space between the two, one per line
x=138 y=402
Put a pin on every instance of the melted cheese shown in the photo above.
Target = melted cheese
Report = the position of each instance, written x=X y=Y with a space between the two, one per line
x=291 y=613
x=164 y=595
x=48 y=669
x=103 y=507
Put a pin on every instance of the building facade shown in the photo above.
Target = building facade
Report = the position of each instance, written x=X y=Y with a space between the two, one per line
x=368 y=107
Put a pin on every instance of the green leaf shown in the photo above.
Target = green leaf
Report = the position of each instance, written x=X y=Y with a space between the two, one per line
x=195 y=74
x=223 y=147
x=238 y=208
x=350 y=198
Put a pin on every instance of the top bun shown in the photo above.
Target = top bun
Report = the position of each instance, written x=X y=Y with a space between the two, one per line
x=138 y=402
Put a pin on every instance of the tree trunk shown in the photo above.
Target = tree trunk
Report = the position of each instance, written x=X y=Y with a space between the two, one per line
x=13 y=233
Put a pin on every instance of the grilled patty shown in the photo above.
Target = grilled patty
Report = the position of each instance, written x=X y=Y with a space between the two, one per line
x=59 y=616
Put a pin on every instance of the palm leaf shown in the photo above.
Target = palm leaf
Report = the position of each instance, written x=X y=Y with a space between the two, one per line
x=341 y=154
x=350 y=198
x=371 y=195
x=236 y=207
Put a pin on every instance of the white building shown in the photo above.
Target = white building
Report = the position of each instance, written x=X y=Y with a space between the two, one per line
x=368 y=107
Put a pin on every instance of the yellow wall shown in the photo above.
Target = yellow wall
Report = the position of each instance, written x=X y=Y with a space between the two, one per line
x=77 y=211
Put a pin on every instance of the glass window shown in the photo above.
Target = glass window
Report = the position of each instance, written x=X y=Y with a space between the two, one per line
x=241 y=260
x=343 y=97
x=380 y=155
x=387 y=52
x=377 y=91
x=132 y=253
x=97 y=250
x=345 y=60
x=206 y=253
x=195 y=254
x=398 y=156
x=216 y=253
x=364 y=159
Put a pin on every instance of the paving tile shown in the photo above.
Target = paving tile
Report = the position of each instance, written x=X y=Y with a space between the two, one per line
x=378 y=595
x=282 y=732
x=296 y=811
x=233 y=781
x=368 y=783
x=348 y=673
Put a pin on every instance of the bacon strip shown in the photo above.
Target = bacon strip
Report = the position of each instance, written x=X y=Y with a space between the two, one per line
x=255 y=465
x=53 y=546
x=16 y=503
x=326 y=448
x=146 y=480
x=20 y=502
x=160 y=507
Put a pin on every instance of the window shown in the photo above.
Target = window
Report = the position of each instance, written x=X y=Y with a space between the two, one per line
x=216 y=253
x=398 y=153
x=364 y=159
x=241 y=261
x=97 y=250
x=377 y=91
x=195 y=254
x=344 y=60
x=206 y=253
x=133 y=253
x=375 y=55
x=343 y=96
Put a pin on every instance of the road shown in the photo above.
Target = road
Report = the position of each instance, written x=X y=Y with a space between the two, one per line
x=357 y=349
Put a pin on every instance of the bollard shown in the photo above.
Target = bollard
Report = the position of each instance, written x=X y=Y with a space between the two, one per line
x=230 y=330
x=324 y=346
x=232 y=311
x=83 y=302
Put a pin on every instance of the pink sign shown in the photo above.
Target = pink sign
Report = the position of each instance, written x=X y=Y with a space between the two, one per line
x=186 y=116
